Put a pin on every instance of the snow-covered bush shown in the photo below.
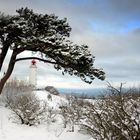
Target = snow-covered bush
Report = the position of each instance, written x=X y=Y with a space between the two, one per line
x=51 y=115
x=27 y=108
x=19 y=97
x=116 y=117
x=71 y=111
x=14 y=87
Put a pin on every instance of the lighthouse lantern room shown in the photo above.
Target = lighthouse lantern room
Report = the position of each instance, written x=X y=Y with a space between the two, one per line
x=33 y=74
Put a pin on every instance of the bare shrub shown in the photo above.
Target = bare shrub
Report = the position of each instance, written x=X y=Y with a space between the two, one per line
x=27 y=108
x=51 y=115
x=16 y=86
x=71 y=112
x=116 y=117
x=13 y=88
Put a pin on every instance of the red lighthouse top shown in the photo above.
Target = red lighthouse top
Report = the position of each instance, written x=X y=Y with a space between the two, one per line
x=33 y=62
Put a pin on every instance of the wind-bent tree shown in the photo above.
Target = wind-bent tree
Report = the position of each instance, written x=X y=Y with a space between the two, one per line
x=48 y=35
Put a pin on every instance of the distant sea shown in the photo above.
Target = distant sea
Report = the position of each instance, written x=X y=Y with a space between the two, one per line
x=82 y=92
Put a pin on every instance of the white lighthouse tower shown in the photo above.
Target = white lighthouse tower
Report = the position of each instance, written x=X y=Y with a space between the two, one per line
x=33 y=74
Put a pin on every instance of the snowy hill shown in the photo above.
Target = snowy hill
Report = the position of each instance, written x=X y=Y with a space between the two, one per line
x=55 y=100
x=64 y=116
x=10 y=130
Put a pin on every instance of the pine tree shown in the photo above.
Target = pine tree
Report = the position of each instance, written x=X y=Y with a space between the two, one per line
x=48 y=35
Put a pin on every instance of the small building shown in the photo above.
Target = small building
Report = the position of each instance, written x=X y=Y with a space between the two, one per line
x=52 y=90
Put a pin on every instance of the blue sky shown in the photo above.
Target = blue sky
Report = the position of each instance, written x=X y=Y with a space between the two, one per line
x=110 y=27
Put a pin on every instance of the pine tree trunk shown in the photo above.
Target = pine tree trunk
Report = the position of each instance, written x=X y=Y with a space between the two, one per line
x=3 y=54
x=2 y=83
x=9 y=71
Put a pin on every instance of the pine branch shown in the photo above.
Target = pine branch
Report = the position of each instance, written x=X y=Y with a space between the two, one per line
x=37 y=58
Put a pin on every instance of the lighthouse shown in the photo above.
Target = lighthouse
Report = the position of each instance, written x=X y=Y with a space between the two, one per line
x=33 y=74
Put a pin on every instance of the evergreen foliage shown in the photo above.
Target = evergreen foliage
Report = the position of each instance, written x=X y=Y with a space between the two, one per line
x=47 y=35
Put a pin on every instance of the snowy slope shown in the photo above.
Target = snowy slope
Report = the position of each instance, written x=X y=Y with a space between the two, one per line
x=13 y=131
x=55 y=101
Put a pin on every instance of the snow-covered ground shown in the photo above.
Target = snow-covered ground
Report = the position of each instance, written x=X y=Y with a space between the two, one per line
x=55 y=100
x=13 y=131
